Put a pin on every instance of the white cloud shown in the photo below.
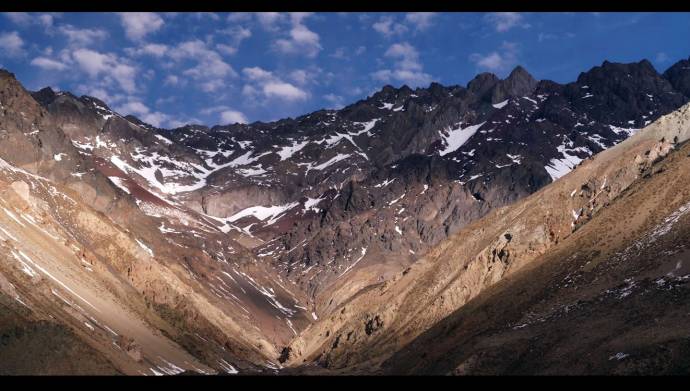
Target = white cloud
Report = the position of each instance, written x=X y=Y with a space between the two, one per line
x=300 y=76
x=499 y=60
x=82 y=37
x=406 y=53
x=408 y=69
x=91 y=62
x=388 y=27
x=151 y=49
x=236 y=35
x=48 y=64
x=133 y=107
x=265 y=83
x=236 y=17
x=140 y=110
x=108 y=66
x=212 y=85
x=99 y=93
x=311 y=75
x=257 y=73
x=298 y=17
x=420 y=20
x=504 y=21
x=269 y=20
x=339 y=53
x=210 y=15
x=232 y=116
x=283 y=90
x=214 y=109
x=21 y=18
x=360 y=50
x=11 y=44
x=138 y=25
x=172 y=80
x=302 y=41
x=210 y=69
x=25 y=19
x=383 y=75
x=46 y=20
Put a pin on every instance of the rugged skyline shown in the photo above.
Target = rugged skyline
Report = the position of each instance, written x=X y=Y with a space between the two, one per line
x=217 y=68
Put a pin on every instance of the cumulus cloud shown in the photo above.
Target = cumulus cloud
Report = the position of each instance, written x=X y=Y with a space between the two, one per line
x=226 y=114
x=236 y=17
x=100 y=93
x=236 y=35
x=138 y=25
x=283 y=90
x=420 y=20
x=26 y=19
x=172 y=80
x=232 y=116
x=339 y=53
x=203 y=15
x=150 y=49
x=301 y=41
x=310 y=75
x=387 y=26
x=257 y=73
x=264 y=83
x=269 y=20
x=408 y=69
x=46 y=20
x=499 y=60
x=108 y=66
x=48 y=64
x=504 y=21
x=210 y=70
x=144 y=113
x=82 y=37
x=11 y=44
x=20 y=18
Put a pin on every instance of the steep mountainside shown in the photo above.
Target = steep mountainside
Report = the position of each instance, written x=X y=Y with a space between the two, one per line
x=504 y=287
x=87 y=252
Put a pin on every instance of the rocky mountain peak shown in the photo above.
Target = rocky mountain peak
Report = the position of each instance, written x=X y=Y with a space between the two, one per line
x=482 y=83
x=405 y=89
x=520 y=75
x=4 y=74
x=679 y=76
x=45 y=96
x=518 y=83
x=385 y=92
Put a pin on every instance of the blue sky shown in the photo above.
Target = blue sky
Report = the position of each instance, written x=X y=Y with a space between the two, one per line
x=170 y=69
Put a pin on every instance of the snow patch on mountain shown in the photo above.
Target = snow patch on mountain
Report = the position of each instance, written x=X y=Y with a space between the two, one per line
x=455 y=138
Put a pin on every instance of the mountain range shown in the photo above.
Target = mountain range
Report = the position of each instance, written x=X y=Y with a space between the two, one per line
x=448 y=229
